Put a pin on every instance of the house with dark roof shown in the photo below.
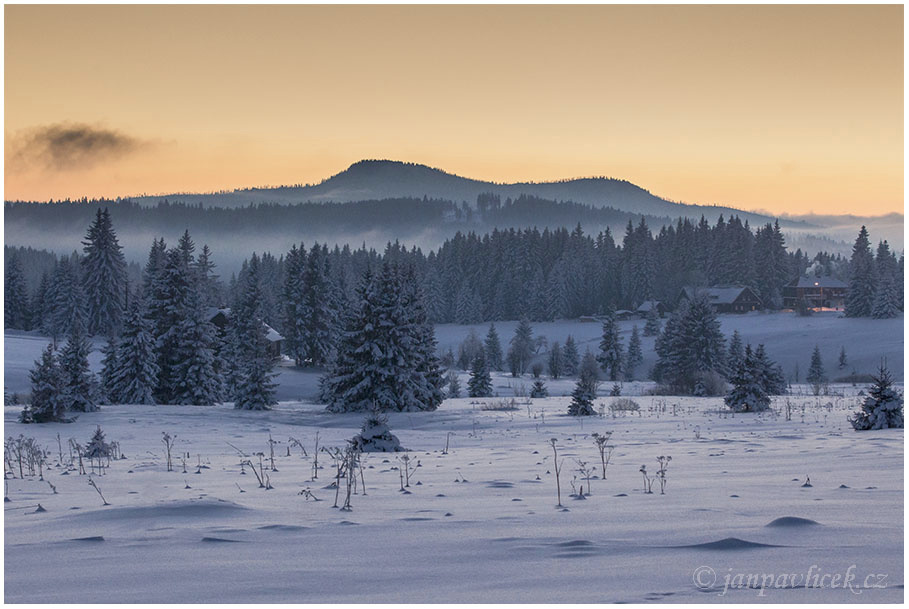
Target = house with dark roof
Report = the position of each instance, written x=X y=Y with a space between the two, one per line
x=649 y=305
x=815 y=293
x=725 y=299
x=220 y=318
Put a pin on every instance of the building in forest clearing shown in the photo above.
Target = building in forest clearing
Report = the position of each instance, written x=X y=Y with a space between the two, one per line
x=725 y=299
x=815 y=293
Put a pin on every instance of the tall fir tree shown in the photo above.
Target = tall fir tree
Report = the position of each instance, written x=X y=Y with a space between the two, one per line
x=690 y=346
x=47 y=404
x=317 y=317
x=556 y=365
x=520 y=351
x=109 y=365
x=817 y=376
x=255 y=385
x=15 y=295
x=886 y=298
x=136 y=376
x=635 y=355
x=570 y=358
x=493 y=348
x=585 y=391
x=611 y=353
x=480 y=383
x=862 y=280
x=736 y=352
x=103 y=276
x=194 y=371
x=652 y=325
x=78 y=393
x=748 y=393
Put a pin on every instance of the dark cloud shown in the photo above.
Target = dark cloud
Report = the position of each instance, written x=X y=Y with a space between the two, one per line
x=69 y=146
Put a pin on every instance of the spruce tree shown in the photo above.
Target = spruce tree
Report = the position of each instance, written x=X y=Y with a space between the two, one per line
x=883 y=408
x=454 y=385
x=610 y=355
x=570 y=358
x=736 y=352
x=634 y=356
x=292 y=326
x=816 y=376
x=195 y=379
x=748 y=393
x=556 y=366
x=521 y=349
x=209 y=288
x=480 y=383
x=769 y=373
x=886 y=298
x=103 y=276
x=169 y=307
x=862 y=280
x=386 y=359
x=317 y=318
x=255 y=386
x=843 y=361
x=108 y=370
x=585 y=391
x=15 y=297
x=493 y=348
x=47 y=404
x=690 y=346
x=77 y=377
x=652 y=325
x=136 y=376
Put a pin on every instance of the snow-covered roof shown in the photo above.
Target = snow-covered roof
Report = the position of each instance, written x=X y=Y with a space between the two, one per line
x=719 y=294
x=270 y=333
x=647 y=305
x=817 y=282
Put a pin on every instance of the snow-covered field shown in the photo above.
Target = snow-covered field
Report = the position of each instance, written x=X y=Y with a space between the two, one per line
x=478 y=524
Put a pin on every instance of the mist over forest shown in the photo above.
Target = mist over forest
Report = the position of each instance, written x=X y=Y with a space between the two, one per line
x=376 y=202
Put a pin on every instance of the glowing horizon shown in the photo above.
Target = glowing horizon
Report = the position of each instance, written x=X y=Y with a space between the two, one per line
x=789 y=109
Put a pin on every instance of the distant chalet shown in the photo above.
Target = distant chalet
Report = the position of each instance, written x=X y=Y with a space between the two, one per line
x=815 y=293
x=725 y=299
x=220 y=317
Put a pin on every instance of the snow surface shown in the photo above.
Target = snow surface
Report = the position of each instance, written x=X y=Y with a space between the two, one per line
x=480 y=523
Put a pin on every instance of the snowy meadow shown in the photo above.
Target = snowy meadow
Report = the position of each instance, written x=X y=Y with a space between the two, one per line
x=746 y=495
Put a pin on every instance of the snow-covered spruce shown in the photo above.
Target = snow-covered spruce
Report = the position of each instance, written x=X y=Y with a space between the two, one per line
x=135 y=376
x=47 y=403
x=883 y=408
x=610 y=355
x=78 y=380
x=480 y=383
x=254 y=362
x=585 y=392
x=103 y=276
x=386 y=359
x=748 y=393
x=375 y=436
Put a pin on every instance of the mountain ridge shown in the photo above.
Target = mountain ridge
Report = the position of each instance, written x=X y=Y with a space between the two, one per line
x=383 y=178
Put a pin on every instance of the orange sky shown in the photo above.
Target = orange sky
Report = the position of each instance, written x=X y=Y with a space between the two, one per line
x=782 y=108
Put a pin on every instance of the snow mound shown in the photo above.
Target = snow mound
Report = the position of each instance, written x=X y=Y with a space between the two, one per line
x=171 y=509
x=219 y=540
x=792 y=521
x=729 y=543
